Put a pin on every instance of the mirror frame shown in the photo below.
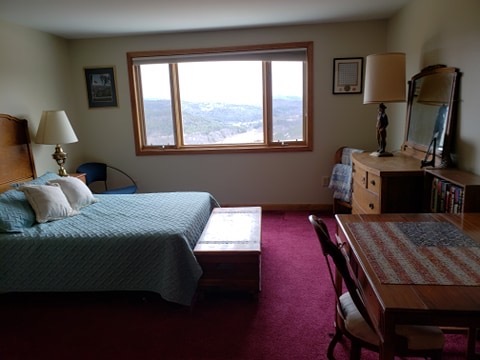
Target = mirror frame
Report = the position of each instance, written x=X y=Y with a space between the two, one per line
x=440 y=156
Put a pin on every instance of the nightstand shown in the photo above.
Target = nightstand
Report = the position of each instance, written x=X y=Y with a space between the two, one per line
x=81 y=176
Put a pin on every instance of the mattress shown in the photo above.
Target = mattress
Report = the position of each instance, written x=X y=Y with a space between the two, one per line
x=137 y=242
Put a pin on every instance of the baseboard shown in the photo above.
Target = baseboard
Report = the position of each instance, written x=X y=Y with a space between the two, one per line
x=288 y=207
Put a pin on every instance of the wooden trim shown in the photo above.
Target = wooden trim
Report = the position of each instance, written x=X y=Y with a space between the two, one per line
x=142 y=149
x=287 y=207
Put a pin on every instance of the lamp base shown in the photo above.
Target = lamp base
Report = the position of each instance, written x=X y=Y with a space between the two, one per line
x=60 y=157
x=381 y=154
x=62 y=171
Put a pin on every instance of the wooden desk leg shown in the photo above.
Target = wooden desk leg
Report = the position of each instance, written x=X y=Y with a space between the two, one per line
x=386 y=352
x=472 y=339
x=387 y=343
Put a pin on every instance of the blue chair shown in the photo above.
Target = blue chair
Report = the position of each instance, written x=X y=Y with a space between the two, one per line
x=97 y=172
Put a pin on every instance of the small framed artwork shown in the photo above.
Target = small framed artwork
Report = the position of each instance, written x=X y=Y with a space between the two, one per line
x=347 y=75
x=101 y=87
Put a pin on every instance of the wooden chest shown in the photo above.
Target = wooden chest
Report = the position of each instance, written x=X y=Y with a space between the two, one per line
x=229 y=250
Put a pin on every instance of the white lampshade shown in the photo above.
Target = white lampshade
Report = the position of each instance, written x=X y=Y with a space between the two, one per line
x=385 y=78
x=55 y=129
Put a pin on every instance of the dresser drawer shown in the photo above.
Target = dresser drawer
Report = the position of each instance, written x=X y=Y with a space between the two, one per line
x=359 y=175
x=368 y=201
x=373 y=183
x=366 y=179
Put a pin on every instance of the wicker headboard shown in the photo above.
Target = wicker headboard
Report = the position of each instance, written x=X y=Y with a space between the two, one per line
x=16 y=158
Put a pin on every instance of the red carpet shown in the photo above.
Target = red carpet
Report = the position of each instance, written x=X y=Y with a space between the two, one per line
x=291 y=319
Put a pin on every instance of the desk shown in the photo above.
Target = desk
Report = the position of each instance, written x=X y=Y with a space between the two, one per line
x=391 y=304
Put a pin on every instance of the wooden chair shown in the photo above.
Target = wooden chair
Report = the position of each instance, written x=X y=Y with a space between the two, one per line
x=353 y=320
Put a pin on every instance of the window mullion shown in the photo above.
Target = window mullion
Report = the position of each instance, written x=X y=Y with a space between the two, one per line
x=267 y=103
x=176 y=105
x=139 y=109
x=308 y=101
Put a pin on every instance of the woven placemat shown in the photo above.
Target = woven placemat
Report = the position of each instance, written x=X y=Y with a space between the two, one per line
x=423 y=253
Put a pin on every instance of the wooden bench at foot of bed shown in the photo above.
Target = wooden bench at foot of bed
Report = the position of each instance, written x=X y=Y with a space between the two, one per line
x=229 y=249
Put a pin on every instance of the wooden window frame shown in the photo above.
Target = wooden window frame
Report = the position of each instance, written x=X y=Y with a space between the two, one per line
x=269 y=144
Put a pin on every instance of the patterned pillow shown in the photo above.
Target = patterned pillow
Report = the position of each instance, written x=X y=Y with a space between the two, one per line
x=49 y=202
x=16 y=214
x=77 y=193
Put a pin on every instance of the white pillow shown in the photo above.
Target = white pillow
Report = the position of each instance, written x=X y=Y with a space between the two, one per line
x=77 y=193
x=49 y=202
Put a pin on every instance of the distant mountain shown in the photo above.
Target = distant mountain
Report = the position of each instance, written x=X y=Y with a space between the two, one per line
x=216 y=122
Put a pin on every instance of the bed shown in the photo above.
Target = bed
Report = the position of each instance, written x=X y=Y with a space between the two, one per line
x=135 y=242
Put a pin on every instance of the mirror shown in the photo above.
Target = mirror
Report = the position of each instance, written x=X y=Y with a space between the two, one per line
x=431 y=115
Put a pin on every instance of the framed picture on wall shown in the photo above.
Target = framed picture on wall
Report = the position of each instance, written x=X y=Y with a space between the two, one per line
x=347 y=75
x=101 y=90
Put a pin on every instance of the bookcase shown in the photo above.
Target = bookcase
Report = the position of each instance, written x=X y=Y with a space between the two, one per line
x=451 y=191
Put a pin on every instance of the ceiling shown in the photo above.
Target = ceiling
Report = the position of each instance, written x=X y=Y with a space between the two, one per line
x=73 y=19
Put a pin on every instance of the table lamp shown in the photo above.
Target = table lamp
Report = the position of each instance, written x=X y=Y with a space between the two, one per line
x=55 y=129
x=384 y=83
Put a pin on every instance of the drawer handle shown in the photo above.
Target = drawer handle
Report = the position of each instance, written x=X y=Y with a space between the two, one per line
x=371 y=206
x=372 y=182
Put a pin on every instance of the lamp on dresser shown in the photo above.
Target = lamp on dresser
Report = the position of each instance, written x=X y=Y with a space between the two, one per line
x=55 y=129
x=384 y=83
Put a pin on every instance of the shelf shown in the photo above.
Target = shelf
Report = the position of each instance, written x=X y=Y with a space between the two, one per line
x=452 y=191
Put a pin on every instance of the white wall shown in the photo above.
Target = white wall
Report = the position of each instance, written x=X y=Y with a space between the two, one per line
x=446 y=32
x=40 y=71
x=273 y=178
x=34 y=76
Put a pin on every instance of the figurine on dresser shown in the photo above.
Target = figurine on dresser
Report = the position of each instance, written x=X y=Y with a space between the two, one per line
x=382 y=123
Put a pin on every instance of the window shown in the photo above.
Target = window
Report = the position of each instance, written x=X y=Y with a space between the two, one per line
x=255 y=98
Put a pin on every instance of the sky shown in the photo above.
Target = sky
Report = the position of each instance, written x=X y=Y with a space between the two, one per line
x=216 y=81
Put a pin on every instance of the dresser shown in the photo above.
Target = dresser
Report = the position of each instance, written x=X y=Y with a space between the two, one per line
x=392 y=184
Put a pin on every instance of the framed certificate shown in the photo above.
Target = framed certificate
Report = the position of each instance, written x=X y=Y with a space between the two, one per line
x=347 y=75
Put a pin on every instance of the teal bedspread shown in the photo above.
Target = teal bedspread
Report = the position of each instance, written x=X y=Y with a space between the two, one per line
x=139 y=242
